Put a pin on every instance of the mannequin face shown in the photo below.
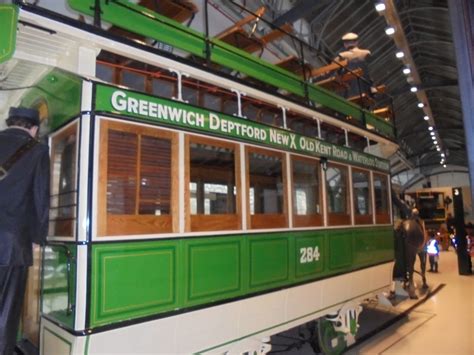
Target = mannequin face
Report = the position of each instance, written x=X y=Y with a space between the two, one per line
x=350 y=44
x=33 y=131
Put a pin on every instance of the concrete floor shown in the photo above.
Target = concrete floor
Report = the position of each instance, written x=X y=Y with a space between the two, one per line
x=441 y=321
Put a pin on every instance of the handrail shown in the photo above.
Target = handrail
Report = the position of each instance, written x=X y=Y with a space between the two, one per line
x=150 y=24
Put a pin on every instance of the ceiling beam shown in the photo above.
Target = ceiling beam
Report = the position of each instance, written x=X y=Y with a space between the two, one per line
x=392 y=19
x=303 y=8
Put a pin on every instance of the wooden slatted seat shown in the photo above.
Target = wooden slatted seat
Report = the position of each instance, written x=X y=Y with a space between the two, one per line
x=293 y=64
x=363 y=100
x=384 y=112
x=238 y=37
x=328 y=69
x=178 y=10
x=339 y=82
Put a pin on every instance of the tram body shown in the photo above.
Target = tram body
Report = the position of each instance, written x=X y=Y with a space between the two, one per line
x=176 y=228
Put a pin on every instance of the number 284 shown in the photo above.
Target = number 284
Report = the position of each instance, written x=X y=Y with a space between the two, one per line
x=309 y=254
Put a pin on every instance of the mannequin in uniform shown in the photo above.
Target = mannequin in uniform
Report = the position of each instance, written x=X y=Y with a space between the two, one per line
x=356 y=58
x=24 y=210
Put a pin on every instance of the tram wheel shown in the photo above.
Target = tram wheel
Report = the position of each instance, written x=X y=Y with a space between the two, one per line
x=329 y=340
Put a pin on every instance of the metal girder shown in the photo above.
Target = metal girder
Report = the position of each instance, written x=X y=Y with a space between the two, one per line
x=300 y=10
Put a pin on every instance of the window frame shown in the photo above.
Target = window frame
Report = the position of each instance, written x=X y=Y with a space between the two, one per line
x=382 y=218
x=336 y=218
x=359 y=218
x=313 y=220
x=213 y=222
x=260 y=220
x=127 y=225
x=73 y=127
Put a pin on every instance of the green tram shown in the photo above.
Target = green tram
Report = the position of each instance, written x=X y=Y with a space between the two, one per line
x=181 y=223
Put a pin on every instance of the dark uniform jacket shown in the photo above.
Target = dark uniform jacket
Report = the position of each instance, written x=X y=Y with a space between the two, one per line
x=24 y=199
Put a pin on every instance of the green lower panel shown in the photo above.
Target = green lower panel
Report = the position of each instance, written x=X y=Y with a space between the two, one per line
x=311 y=255
x=269 y=261
x=340 y=249
x=133 y=280
x=364 y=247
x=214 y=269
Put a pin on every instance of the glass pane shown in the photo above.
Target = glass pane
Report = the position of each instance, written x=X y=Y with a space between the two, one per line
x=105 y=72
x=63 y=184
x=121 y=172
x=163 y=88
x=266 y=184
x=357 y=142
x=190 y=93
x=361 y=186
x=381 y=194
x=333 y=134
x=306 y=188
x=155 y=176
x=336 y=186
x=133 y=80
x=212 y=173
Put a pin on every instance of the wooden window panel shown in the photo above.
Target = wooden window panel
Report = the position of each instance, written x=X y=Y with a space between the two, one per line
x=137 y=194
x=311 y=181
x=363 y=176
x=337 y=191
x=382 y=211
x=257 y=178
x=230 y=218
x=63 y=182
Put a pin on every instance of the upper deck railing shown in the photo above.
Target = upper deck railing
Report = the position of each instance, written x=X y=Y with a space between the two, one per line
x=150 y=24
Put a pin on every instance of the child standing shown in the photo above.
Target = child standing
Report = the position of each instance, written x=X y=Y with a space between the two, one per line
x=432 y=248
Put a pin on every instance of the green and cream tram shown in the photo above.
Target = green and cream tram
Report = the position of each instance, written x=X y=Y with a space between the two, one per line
x=193 y=213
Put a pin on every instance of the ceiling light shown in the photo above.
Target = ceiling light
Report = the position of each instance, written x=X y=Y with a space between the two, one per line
x=434 y=139
x=413 y=89
x=421 y=105
x=444 y=166
x=406 y=71
x=432 y=133
x=389 y=30
x=430 y=128
x=435 y=142
x=442 y=154
x=426 y=118
x=438 y=149
x=380 y=6
x=399 y=54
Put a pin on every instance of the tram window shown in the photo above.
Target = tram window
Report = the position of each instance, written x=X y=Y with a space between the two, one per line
x=163 y=87
x=357 y=142
x=133 y=80
x=250 y=110
x=211 y=101
x=337 y=195
x=105 y=72
x=382 y=212
x=362 y=196
x=229 y=104
x=266 y=189
x=63 y=182
x=213 y=187
x=306 y=192
x=303 y=125
x=271 y=118
x=190 y=91
x=137 y=191
x=333 y=134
